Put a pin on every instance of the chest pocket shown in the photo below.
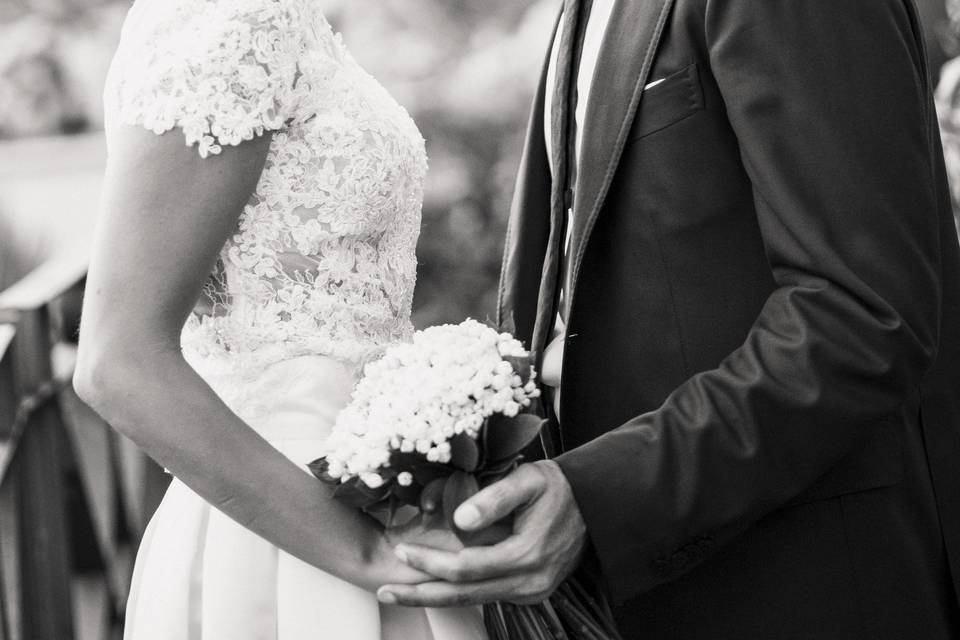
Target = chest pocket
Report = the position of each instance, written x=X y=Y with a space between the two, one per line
x=668 y=101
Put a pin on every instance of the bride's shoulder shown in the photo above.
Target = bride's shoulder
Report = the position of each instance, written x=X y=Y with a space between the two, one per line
x=217 y=13
x=227 y=28
x=223 y=71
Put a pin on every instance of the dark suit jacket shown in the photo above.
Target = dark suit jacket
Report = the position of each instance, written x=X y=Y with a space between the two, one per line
x=761 y=384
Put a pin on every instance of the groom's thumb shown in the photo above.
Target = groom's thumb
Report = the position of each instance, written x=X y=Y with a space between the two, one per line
x=494 y=502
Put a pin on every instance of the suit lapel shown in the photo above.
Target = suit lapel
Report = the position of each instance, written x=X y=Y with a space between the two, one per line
x=623 y=67
x=529 y=227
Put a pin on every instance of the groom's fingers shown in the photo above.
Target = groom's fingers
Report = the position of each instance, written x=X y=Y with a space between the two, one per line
x=472 y=564
x=498 y=500
x=516 y=589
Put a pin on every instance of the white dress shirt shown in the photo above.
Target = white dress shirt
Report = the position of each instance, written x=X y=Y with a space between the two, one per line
x=593 y=40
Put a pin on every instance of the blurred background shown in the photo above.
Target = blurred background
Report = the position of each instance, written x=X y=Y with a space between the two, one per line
x=74 y=496
x=466 y=74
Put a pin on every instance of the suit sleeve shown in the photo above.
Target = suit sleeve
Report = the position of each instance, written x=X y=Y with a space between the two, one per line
x=830 y=106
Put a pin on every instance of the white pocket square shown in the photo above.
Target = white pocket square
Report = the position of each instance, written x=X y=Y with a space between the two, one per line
x=653 y=84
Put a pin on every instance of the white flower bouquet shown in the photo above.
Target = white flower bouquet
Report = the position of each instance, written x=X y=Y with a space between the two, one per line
x=431 y=423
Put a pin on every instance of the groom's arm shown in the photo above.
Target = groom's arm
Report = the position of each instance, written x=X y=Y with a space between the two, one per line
x=829 y=103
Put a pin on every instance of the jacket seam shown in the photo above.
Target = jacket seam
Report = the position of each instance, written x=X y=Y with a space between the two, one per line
x=670 y=290
x=857 y=591
x=647 y=134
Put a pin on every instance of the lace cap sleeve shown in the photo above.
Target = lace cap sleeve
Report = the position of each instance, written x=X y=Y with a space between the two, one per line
x=222 y=71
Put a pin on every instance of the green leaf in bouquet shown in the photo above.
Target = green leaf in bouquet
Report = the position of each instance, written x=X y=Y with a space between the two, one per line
x=464 y=452
x=460 y=487
x=496 y=470
x=431 y=498
x=426 y=472
x=382 y=510
x=504 y=438
x=358 y=495
x=409 y=494
x=521 y=366
x=388 y=474
x=406 y=461
x=320 y=468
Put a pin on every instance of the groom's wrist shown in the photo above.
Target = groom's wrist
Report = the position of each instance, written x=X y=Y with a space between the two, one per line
x=616 y=554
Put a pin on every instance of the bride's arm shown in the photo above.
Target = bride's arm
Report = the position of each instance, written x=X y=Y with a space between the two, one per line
x=166 y=214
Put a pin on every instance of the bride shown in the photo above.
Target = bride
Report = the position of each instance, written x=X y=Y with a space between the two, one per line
x=255 y=247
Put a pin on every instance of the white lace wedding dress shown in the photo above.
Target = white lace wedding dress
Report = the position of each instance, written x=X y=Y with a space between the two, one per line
x=317 y=278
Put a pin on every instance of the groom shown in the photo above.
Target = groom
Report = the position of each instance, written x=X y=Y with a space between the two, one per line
x=732 y=229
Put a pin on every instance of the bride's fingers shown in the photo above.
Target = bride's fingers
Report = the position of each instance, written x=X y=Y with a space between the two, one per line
x=386 y=568
x=470 y=564
x=405 y=574
x=444 y=594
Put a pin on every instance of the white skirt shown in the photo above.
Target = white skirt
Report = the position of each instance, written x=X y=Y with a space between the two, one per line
x=201 y=576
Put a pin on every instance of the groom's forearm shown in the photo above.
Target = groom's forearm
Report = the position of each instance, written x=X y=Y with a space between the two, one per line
x=829 y=103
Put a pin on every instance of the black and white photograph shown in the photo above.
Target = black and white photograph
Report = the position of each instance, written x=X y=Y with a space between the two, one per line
x=492 y=320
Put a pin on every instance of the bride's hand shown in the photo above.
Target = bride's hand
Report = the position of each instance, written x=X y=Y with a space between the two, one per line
x=384 y=567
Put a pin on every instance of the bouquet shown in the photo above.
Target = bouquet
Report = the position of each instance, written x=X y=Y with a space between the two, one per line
x=428 y=426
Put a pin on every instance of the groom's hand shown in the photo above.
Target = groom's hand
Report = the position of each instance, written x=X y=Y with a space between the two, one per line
x=548 y=539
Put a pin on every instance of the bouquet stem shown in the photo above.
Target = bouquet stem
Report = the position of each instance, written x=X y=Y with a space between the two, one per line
x=569 y=614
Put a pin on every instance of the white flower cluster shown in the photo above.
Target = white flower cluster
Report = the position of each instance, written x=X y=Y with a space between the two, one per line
x=448 y=381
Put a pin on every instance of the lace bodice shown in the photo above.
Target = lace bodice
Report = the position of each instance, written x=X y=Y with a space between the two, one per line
x=323 y=259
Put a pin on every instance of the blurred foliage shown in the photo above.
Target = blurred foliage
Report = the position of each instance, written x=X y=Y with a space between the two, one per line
x=940 y=39
x=947 y=100
x=14 y=262
x=53 y=57
x=465 y=70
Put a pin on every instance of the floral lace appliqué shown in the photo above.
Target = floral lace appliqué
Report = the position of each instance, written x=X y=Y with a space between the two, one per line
x=323 y=258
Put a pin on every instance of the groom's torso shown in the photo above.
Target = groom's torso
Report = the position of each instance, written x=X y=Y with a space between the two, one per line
x=669 y=272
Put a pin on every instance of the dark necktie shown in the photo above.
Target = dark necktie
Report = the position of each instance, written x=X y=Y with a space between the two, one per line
x=563 y=138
